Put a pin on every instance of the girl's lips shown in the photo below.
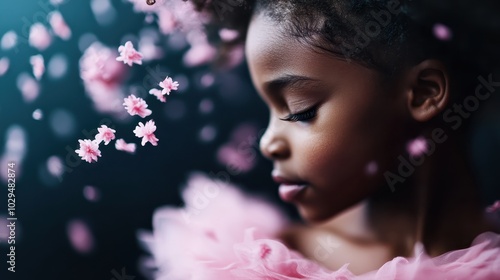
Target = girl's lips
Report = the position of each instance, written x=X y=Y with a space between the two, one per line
x=289 y=188
x=288 y=193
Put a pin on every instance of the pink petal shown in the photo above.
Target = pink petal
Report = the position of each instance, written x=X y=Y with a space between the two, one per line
x=38 y=65
x=59 y=26
x=4 y=65
x=121 y=145
x=39 y=36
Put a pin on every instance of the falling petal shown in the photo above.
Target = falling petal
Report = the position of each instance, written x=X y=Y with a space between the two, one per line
x=91 y=193
x=9 y=40
x=59 y=26
x=39 y=37
x=206 y=106
x=228 y=34
x=28 y=86
x=37 y=114
x=207 y=80
x=103 y=11
x=442 y=32
x=14 y=151
x=417 y=146
x=63 y=123
x=371 y=168
x=58 y=66
x=80 y=236
x=208 y=133
x=38 y=66
x=55 y=166
x=4 y=65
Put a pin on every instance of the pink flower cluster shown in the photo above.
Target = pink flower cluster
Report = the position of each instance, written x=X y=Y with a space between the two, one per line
x=93 y=67
x=89 y=149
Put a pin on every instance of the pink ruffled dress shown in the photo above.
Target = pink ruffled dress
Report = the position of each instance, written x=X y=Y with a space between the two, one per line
x=224 y=234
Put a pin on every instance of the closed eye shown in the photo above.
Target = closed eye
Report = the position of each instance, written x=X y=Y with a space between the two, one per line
x=302 y=116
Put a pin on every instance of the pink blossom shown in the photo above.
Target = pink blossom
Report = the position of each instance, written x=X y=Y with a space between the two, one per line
x=167 y=22
x=136 y=106
x=168 y=85
x=199 y=54
x=417 y=146
x=59 y=26
x=121 y=145
x=39 y=36
x=29 y=87
x=102 y=76
x=89 y=150
x=9 y=40
x=158 y=93
x=105 y=134
x=4 y=65
x=38 y=65
x=98 y=63
x=80 y=236
x=146 y=132
x=228 y=34
x=442 y=32
x=129 y=55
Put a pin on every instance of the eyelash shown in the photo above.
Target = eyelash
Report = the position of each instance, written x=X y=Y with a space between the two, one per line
x=305 y=115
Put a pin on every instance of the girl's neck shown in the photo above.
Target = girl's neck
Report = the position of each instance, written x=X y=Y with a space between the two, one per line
x=437 y=206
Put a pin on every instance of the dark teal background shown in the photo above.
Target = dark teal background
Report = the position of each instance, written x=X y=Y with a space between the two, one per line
x=131 y=186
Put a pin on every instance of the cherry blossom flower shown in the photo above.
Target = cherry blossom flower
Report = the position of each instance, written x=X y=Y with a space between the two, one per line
x=39 y=36
x=146 y=132
x=121 y=145
x=417 y=146
x=105 y=134
x=89 y=150
x=59 y=26
x=168 y=85
x=129 y=55
x=38 y=66
x=136 y=106
x=102 y=77
x=158 y=93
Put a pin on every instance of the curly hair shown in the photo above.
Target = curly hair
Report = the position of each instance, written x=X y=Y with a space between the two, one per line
x=383 y=35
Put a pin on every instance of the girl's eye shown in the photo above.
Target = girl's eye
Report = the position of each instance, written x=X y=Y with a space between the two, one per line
x=305 y=115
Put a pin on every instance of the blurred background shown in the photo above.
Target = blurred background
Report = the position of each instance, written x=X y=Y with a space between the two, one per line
x=79 y=220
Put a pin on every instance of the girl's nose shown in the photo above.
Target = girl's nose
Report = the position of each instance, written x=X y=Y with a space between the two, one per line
x=273 y=145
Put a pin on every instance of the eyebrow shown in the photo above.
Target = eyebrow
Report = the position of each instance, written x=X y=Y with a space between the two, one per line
x=289 y=82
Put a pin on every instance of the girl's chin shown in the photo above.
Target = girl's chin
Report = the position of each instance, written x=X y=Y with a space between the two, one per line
x=313 y=215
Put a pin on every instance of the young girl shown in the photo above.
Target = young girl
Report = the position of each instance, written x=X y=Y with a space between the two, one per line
x=369 y=104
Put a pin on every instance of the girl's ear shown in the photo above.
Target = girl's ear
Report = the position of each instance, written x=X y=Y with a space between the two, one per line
x=429 y=90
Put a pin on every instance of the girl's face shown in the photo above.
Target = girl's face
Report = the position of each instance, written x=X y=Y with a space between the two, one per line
x=348 y=128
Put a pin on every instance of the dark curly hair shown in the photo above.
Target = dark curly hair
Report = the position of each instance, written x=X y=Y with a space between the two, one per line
x=380 y=34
